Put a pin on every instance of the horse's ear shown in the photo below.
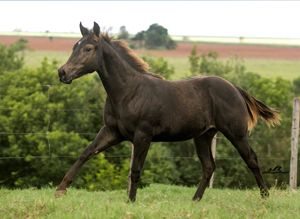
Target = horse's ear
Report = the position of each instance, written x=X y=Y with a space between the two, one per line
x=84 y=31
x=96 y=29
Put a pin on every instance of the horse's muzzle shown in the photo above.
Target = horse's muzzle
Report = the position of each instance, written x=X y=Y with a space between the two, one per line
x=63 y=76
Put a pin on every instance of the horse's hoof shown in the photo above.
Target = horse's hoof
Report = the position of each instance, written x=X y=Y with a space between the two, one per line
x=264 y=193
x=59 y=193
x=130 y=201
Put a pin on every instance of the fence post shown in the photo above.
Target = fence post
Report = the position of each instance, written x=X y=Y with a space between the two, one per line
x=129 y=174
x=213 y=151
x=294 y=144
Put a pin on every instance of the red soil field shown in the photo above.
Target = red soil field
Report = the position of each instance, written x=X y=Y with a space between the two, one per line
x=182 y=50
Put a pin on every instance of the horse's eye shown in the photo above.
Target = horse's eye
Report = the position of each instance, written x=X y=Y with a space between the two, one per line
x=88 y=49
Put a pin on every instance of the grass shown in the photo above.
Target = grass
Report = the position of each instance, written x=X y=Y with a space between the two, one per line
x=268 y=68
x=33 y=58
x=287 y=69
x=294 y=42
x=156 y=201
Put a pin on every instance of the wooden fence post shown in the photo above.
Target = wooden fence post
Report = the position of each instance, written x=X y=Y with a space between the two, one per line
x=294 y=144
x=129 y=174
x=213 y=150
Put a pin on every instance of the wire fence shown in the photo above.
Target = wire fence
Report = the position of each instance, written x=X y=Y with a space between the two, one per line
x=46 y=134
x=47 y=110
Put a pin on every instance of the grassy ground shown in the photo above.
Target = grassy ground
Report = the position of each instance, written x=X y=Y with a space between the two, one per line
x=273 y=68
x=33 y=59
x=238 y=40
x=156 y=201
x=267 y=68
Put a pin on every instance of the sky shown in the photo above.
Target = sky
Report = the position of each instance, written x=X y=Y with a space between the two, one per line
x=276 y=19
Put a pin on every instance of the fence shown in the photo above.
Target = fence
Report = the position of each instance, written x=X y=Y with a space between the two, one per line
x=46 y=134
x=294 y=144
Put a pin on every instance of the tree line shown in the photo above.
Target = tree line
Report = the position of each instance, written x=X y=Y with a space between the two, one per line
x=46 y=128
x=156 y=36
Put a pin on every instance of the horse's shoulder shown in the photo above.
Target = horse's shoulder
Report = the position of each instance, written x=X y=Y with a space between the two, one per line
x=108 y=109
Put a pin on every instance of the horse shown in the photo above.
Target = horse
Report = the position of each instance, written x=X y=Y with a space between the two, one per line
x=143 y=107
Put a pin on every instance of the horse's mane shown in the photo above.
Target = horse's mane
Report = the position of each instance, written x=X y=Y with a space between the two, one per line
x=122 y=48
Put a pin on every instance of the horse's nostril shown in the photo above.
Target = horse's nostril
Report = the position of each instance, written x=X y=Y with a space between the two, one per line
x=61 y=73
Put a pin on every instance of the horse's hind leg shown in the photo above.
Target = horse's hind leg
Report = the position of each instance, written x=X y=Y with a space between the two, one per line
x=203 y=150
x=249 y=156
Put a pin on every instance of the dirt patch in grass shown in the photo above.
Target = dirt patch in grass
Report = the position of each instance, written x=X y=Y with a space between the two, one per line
x=182 y=50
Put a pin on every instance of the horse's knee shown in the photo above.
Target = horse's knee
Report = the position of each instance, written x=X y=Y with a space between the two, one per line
x=208 y=171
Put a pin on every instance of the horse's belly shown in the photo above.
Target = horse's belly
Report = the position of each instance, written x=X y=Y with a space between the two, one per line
x=172 y=138
x=182 y=133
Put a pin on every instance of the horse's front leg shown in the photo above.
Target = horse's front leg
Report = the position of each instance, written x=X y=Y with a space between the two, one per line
x=140 y=149
x=105 y=139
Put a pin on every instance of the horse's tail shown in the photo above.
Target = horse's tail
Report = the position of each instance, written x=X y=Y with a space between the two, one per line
x=258 y=109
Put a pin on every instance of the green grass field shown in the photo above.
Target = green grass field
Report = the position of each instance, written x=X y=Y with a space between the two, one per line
x=238 y=40
x=267 y=68
x=156 y=201
x=33 y=58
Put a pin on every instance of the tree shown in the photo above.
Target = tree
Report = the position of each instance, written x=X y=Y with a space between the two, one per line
x=159 y=65
x=10 y=60
x=156 y=36
x=140 y=35
x=296 y=88
x=123 y=33
x=208 y=64
x=194 y=61
x=27 y=107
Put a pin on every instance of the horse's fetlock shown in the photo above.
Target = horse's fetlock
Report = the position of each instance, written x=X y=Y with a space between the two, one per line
x=67 y=180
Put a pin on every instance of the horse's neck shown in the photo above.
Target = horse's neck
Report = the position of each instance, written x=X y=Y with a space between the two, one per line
x=117 y=76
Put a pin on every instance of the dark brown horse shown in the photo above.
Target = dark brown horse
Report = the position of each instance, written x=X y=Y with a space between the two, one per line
x=142 y=107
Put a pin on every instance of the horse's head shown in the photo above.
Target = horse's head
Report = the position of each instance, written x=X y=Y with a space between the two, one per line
x=85 y=57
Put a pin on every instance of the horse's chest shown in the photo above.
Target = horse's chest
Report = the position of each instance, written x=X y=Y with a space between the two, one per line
x=124 y=131
x=126 y=127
